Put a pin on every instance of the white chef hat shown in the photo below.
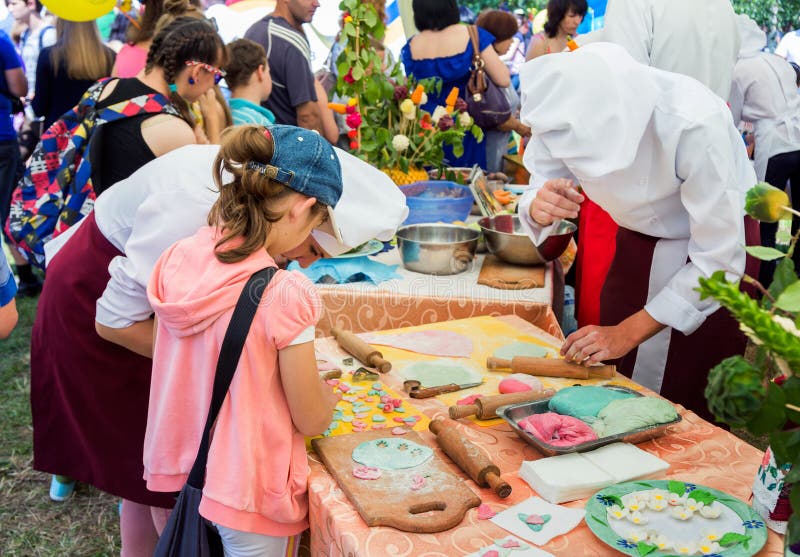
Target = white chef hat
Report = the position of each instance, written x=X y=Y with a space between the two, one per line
x=753 y=37
x=371 y=206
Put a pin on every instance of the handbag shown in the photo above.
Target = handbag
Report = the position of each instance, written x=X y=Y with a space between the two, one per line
x=486 y=102
x=187 y=534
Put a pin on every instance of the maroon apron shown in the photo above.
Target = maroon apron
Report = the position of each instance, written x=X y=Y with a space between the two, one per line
x=687 y=359
x=89 y=396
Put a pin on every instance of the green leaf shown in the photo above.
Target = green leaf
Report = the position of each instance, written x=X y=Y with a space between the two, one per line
x=772 y=414
x=732 y=538
x=793 y=529
x=371 y=17
x=784 y=276
x=764 y=253
x=645 y=548
x=358 y=71
x=791 y=389
x=789 y=300
x=349 y=29
x=678 y=488
x=348 y=5
x=785 y=446
x=702 y=496
x=600 y=522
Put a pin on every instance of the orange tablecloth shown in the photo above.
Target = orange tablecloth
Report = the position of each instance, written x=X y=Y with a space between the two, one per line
x=697 y=451
x=417 y=299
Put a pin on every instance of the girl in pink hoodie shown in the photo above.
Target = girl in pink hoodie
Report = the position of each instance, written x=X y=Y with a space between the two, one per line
x=275 y=186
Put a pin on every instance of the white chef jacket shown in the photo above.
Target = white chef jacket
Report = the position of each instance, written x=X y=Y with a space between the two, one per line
x=764 y=92
x=661 y=157
x=169 y=199
x=698 y=38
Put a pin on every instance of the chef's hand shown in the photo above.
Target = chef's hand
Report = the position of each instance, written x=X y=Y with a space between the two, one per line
x=594 y=344
x=558 y=199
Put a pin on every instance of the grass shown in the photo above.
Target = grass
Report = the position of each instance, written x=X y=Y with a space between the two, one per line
x=30 y=524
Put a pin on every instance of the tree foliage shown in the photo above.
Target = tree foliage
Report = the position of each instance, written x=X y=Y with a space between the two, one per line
x=762 y=12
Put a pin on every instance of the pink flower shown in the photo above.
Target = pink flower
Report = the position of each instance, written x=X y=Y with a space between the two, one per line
x=446 y=122
x=353 y=120
x=349 y=77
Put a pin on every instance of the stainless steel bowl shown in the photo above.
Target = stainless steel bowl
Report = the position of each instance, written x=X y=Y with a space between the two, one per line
x=506 y=239
x=437 y=249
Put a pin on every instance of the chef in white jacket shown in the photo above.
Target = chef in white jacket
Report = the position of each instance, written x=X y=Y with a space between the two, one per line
x=689 y=37
x=659 y=152
x=764 y=92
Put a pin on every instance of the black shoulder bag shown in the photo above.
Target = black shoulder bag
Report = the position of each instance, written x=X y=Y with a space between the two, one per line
x=188 y=534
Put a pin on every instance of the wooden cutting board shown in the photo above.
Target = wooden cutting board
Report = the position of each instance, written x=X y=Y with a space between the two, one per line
x=388 y=501
x=498 y=274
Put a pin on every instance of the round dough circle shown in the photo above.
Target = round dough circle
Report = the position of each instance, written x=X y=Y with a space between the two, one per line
x=527 y=349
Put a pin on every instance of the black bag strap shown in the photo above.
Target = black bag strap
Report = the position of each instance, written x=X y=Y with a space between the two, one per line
x=229 y=354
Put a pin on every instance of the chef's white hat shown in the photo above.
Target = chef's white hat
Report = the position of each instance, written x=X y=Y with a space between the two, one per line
x=371 y=206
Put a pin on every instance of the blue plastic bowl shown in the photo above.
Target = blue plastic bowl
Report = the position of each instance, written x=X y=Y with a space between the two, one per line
x=437 y=201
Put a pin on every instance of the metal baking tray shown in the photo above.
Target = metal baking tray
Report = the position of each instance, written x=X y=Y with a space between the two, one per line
x=512 y=413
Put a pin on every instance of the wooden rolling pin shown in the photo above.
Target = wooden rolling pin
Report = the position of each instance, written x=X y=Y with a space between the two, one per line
x=484 y=408
x=550 y=367
x=468 y=456
x=365 y=353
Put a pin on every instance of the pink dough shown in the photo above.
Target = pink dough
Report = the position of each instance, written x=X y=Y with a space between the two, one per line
x=470 y=399
x=519 y=382
x=557 y=430
x=417 y=483
x=435 y=343
x=366 y=473
x=485 y=512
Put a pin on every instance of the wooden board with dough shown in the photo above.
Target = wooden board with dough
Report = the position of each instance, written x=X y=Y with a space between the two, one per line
x=424 y=498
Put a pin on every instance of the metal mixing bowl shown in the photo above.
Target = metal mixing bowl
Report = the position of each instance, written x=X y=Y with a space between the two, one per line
x=506 y=239
x=437 y=249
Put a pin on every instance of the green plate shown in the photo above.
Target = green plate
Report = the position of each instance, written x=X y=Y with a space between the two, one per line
x=367 y=248
x=597 y=519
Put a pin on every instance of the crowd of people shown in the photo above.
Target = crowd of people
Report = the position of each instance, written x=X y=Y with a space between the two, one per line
x=214 y=161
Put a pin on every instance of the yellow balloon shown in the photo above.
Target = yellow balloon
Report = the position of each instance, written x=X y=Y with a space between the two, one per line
x=79 y=10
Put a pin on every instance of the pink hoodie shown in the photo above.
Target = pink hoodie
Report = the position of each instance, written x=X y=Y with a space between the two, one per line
x=257 y=466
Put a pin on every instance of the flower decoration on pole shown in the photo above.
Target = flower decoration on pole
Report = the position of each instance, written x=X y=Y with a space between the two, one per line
x=393 y=132
x=762 y=393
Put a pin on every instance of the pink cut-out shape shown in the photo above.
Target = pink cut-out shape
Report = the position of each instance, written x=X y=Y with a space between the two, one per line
x=399 y=431
x=332 y=382
x=366 y=473
x=534 y=519
x=396 y=402
x=369 y=399
x=388 y=407
x=378 y=426
x=510 y=544
x=362 y=395
x=485 y=512
x=344 y=387
x=361 y=415
x=385 y=399
x=491 y=553
x=417 y=482
x=469 y=399
x=399 y=419
x=349 y=398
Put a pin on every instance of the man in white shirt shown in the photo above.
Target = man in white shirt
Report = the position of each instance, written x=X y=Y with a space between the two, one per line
x=789 y=47
x=660 y=154
x=690 y=37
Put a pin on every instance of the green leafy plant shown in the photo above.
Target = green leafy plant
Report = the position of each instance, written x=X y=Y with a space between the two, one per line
x=742 y=393
x=388 y=128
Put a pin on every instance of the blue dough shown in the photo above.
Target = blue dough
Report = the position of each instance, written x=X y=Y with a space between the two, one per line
x=584 y=402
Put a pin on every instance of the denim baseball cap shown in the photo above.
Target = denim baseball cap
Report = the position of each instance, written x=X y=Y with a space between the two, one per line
x=304 y=161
